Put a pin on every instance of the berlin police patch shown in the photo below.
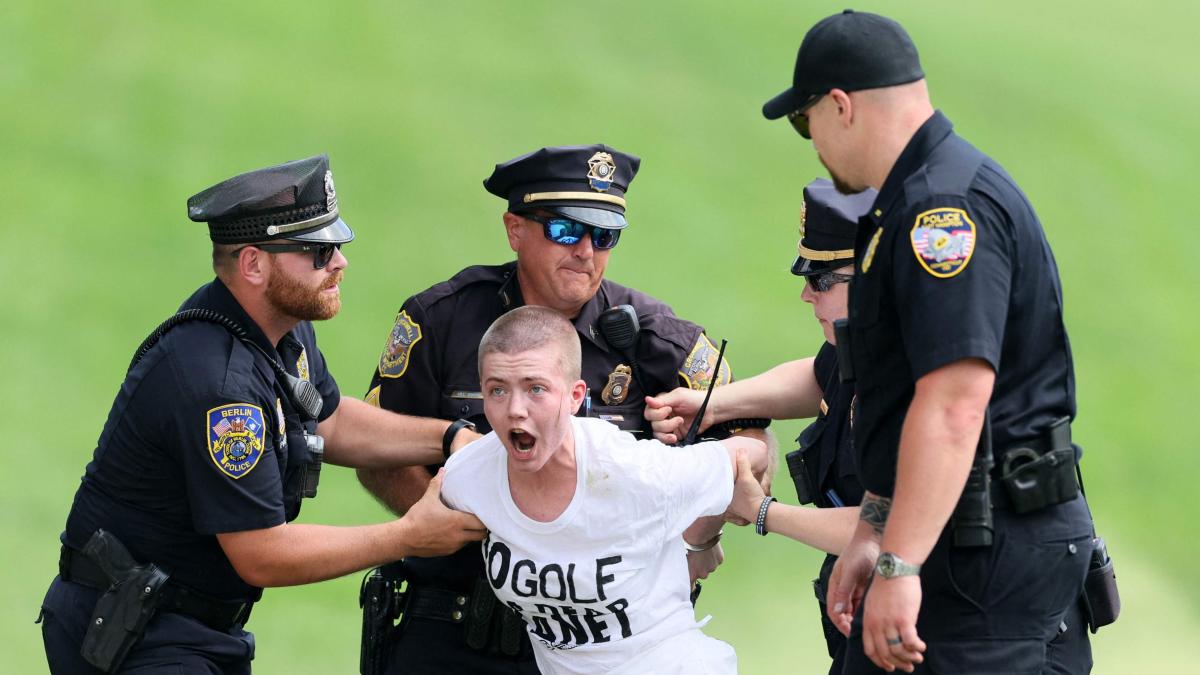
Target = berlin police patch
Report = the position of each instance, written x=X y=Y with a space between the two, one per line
x=404 y=335
x=943 y=240
x=235 y=438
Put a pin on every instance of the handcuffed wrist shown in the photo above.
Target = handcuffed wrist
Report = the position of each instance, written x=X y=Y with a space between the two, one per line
x=698 y=548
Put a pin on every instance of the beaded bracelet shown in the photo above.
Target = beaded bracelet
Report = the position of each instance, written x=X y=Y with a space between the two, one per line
x=760 y=525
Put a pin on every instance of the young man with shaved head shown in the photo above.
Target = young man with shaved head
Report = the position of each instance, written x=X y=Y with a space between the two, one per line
x=585 y=523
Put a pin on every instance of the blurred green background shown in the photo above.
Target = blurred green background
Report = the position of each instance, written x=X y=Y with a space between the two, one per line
x=115 y=112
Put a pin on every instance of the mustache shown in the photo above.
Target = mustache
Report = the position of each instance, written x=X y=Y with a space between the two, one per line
x=334 y=280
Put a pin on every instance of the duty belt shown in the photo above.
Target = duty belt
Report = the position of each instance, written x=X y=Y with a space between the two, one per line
x=217 y=614
x=426 y=602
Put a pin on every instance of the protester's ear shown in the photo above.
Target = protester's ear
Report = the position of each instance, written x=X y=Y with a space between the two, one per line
x=578 y=393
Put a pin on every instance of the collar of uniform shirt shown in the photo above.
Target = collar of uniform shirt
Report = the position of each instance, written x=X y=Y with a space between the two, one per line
x=935 y=130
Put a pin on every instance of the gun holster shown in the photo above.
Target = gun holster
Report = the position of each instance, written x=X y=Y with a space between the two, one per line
x=1101 y=599
x=381 y=600
x=805 y=493
x=123 y=610
x=1041 y=473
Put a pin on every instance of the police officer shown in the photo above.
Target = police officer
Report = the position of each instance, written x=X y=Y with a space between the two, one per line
x=964 y=376
x=823 y=468
x=565 y=215
x=182 y=516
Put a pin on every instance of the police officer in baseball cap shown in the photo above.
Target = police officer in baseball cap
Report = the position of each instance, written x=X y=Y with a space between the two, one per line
x=216 y=435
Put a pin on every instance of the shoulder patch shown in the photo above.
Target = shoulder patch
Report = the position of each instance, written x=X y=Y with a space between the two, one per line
x=404 y=335
x=943 y=241
x=699 y=366
x=235 y=438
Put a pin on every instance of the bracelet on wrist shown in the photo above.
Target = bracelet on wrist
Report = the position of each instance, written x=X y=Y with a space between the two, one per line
x=699 y=548
x=760 y=525
x=452 y=431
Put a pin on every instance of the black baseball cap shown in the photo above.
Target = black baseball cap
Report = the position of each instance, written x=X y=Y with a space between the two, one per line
x=294 y=200
x=586 y=183
x=828 y=222
x=849 y=51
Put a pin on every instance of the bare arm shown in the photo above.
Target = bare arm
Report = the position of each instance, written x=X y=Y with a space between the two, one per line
x=937 y=446
x=360 y=435
x=787 y=391
x=704 y=529
x=398 y=488
x=826 y=529
x=291 y=554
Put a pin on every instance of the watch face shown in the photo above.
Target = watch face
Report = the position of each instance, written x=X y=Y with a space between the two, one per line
x=886 y=565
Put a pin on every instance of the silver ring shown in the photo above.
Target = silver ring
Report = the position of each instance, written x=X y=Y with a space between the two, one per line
x=892 y=642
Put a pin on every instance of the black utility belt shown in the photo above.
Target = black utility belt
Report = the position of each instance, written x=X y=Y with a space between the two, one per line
x=1032 y=475
x=217 y=614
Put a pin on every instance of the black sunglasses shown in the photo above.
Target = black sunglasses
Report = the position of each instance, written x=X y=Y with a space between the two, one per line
x=322 y=253
x=568 y=232
x=799 y=119
x=826 y=280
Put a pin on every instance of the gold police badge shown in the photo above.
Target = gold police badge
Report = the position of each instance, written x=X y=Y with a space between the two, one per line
x=600 y=171
x=617 y=388
x=869 y=254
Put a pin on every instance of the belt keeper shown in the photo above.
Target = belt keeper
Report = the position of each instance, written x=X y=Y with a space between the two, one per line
x=699 y=548
x=760 y=525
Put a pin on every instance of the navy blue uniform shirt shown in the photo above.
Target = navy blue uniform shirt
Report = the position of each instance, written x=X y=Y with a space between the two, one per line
x=197 y=443
x=828 y=442
x=429 y=367
x=952 y=263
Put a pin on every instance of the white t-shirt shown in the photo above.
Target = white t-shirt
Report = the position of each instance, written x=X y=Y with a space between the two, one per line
x=603 y=587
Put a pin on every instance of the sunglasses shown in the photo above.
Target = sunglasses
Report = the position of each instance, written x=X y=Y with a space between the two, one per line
x=799 y=119
x=322 y=253
x=568 y=232
x=826 y=280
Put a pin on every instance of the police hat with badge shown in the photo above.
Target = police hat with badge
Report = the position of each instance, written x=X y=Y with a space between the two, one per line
x=294 y=200
x=828 y=221
x=584 y=184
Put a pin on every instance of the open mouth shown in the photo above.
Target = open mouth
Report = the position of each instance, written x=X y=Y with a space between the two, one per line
x=522 y=441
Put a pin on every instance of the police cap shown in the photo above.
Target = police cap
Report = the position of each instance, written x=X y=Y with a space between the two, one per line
x=828 y=221
x=850 y=51
x=295 y=200
x=586 y=183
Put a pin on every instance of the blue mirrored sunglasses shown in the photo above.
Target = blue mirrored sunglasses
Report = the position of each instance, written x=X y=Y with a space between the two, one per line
x=568 y=232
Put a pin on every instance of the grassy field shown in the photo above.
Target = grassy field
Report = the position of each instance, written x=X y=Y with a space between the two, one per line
x=114 y=113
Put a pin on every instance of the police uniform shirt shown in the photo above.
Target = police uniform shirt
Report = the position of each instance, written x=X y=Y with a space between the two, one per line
x=828 y=442
x=953 y=264
x=195 y=445
x=429 y=365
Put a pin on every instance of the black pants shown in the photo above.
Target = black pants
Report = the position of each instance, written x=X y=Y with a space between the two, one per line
x=173 y=643
x=431 y=647
x=996 y=609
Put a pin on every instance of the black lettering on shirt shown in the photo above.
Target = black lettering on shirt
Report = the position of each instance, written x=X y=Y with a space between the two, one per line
x=601 y=577
x=529 y=584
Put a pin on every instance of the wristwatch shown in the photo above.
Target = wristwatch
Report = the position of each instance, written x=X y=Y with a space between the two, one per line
x=890 y=566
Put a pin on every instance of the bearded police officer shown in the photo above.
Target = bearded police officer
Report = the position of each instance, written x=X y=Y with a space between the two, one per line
x=963 y=375
x=565 y=215
x=215 y=436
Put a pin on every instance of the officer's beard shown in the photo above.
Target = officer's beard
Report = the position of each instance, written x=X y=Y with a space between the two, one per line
x=291 y=297
x=840 y=183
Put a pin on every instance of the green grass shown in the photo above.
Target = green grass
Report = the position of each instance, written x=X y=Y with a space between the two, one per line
x=114 y=113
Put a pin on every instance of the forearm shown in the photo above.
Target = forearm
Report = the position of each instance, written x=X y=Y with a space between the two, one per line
x=396 y=488
x=363 y=436
x=787 y=391
x=826 y=529
x=937 y=447
x=703 y=530
x=293 y=554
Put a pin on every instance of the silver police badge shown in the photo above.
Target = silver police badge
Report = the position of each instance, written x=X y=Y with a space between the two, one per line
x=330 y=193
x=600 y=171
